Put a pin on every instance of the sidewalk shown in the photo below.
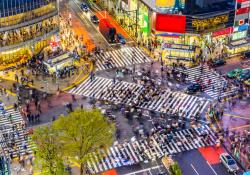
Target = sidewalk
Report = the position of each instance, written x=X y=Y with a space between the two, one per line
x=47 y=84
x=236 y=119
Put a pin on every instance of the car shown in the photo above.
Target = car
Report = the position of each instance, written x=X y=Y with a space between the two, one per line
x=244 y=75
x=234 y=73
x=193 y=88
x=247 y=82
x=84 y=7
x=246 y=55
x=218 y=62
x=94 y=19
x=120 y=38
x=229 y=163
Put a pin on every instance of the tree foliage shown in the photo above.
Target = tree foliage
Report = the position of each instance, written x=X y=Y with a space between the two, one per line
x=175 y=169
x=75 y=136
x=47 y=151
x=83 y=132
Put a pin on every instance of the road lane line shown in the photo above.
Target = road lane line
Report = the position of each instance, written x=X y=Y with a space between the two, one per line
x=194 y=169
x=212 y=168
x=144 y=170
x=237 y=116
x=240 y=127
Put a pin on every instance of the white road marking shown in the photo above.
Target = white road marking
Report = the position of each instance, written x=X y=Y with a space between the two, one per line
x=212 y=168
x=194 y=169
x=143 y=170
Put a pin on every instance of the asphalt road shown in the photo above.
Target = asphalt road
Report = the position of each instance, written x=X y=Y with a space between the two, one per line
x=193 y=163
x=91 y=28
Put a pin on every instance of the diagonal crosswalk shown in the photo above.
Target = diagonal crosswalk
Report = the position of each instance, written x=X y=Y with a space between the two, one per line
x=217 y=87
x=128 y=93
x=14 y=137
x=150 y=149
x=121 y=57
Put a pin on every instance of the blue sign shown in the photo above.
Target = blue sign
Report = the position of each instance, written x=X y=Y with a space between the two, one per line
x=242 y=27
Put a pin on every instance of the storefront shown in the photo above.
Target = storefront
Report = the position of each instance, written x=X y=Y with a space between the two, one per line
x=11 y=58
x=239 y=35
x=176 y=44
x=179 y=53
x=20 y=55
x=238 y=47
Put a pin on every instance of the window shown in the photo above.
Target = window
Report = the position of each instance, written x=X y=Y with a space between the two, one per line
x=193 y=7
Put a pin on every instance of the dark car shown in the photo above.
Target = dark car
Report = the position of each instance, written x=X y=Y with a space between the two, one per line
x=94 y=19
x=218 y=62
x=245 y=75
x=120 y=38
x=84 y=7
x=246 y=55
x=193 y=88
x=235 y=73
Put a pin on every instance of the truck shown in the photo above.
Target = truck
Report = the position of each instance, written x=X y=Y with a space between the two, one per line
x=107 y=30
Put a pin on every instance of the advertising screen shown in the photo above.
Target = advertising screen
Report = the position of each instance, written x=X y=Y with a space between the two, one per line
x=170 y=23
x=171 y=5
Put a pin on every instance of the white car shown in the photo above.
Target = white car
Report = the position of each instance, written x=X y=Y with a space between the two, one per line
x=229 y=163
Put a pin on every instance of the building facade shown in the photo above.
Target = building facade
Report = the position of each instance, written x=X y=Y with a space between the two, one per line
x=26 y=26
x=187 y=30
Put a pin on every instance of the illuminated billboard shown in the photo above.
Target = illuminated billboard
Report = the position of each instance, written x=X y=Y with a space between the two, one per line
x=170 y=5
x=170 y=23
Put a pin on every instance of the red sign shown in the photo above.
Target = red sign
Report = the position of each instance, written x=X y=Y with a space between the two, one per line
x=242 y=1
x=243 y=10
x=223 y=32
x=170 y=23
x=53 y=43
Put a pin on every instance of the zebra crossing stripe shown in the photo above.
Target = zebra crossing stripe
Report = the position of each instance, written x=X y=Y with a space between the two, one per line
x=192 y=136
x=181 y=138
x=217 y=81
x=133 y=153
x=99 y=88
x=115 y=156
x=121 y=57
x=158 y=147
x=189 y=146
x=116 y=59
x=110 y=156
x=6 y=124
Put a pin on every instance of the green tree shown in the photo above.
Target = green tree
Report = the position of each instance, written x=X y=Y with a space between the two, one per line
x=47 y=151
x=83 y=132
x=175 y=169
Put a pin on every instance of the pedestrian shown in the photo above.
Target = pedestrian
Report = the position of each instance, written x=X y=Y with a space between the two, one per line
x=73 y=97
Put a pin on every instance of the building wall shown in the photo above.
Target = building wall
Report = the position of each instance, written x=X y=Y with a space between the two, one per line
x=24 y=25
x=14 y=13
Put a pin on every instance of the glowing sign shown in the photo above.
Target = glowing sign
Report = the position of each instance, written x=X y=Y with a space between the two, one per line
x=209 y=23
x=170 y=5
x=170 y=23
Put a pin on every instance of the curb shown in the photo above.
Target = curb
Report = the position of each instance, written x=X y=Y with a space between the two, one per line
x=8 y=107
x=11 y=93
x=65 y=89
x=80 y=81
